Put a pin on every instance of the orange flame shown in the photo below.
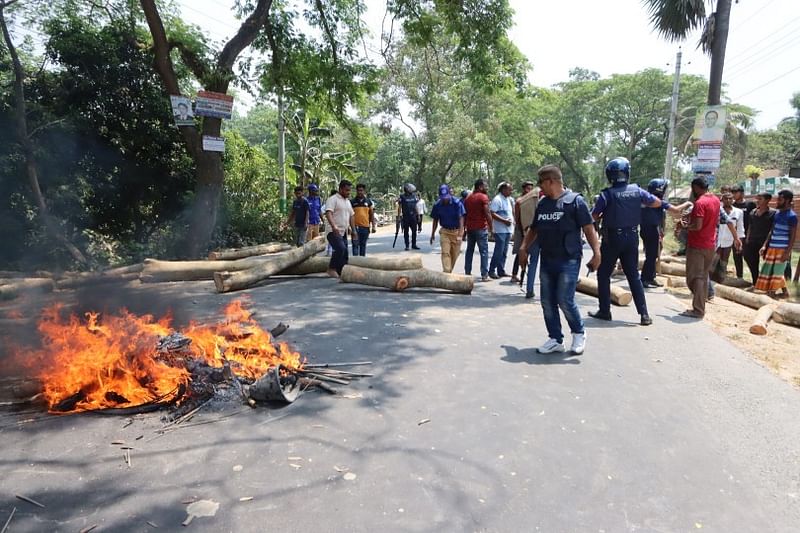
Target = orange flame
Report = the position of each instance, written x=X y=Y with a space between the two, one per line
x=113 y=361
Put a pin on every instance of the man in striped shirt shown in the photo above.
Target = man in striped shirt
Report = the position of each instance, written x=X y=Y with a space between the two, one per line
x=777 y=252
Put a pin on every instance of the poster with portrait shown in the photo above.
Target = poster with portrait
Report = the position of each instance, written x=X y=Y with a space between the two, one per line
x=182 y=110
x=709 y=126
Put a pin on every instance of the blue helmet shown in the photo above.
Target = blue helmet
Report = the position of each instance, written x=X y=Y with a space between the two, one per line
x=658 y=187
x=618 y=170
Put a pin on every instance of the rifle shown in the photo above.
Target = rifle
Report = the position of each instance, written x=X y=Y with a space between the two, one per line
x=396 y=230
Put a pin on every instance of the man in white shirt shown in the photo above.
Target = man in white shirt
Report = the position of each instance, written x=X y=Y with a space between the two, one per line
x=340 y=215
x=725 y=237
x=502 y=211
x=421 y=207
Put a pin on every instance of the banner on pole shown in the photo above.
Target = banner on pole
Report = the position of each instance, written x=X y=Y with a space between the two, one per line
x=213 y=144
x=182 y=110
x=216 y=105
x=709 y=126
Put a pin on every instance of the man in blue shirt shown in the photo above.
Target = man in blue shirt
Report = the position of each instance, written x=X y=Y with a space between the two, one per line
x=298 y=216
x=620 y=207
x=560 y=218
x=314 y=212
x=448 y=212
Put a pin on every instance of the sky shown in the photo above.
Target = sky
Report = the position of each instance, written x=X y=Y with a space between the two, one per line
x=762 y=65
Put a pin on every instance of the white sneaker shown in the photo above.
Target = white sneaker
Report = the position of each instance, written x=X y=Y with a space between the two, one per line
x=578 y=343
x=551 y=346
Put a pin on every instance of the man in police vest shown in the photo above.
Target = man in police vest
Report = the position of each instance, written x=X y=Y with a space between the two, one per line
x=407 y=212
x=560 y=217
x=620 y=207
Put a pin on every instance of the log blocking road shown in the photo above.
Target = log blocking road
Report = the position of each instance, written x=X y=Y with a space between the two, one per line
x=463 y=428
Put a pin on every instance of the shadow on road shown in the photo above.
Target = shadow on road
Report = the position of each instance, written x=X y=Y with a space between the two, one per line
x=532 y=357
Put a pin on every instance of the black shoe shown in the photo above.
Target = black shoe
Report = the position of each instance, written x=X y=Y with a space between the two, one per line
x=646 y=320
x=503 y=275
x=493 y=275
x=416 y=248
x=599 y=315
x=528 y=295
x=406 y=248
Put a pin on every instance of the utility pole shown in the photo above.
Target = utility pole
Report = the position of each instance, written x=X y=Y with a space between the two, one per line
x=282 y=154
x=673 y=115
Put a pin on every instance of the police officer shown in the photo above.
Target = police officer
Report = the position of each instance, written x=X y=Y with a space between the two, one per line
x=651 y=231
x=620 y=207
x=407 y=210
x=560 y=217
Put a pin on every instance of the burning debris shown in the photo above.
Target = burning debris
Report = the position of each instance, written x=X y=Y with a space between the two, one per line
x=137 y=363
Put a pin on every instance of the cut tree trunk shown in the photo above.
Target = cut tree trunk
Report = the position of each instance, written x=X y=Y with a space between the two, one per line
x=316 y=265
x=112 y=275
x=249 y=251
x=619 y=296
x=232 y=281
x=400 y=280
x=156 y=270
x=759 y=325
x=787 y=313
x=749 y=299
x=673 y=259
x=16 y=287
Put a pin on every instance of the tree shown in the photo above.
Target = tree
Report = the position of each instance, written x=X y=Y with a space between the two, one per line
x=674 y=19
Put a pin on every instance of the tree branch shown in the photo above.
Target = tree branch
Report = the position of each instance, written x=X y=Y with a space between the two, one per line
x=328 y=32
x=192 y=60
x=243 y=38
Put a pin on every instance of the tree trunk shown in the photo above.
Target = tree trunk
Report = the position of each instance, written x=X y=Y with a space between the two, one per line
x=759 y=325
x=114 y=275
x=155 y=270
x=400 y=280
x=318 y=265
x=249 y=251
x=20 y=116
x=718 y=45
x=232 y=281
x=13 y=289
x=205 y=210
x=619 y=296
x=749 y=299
x=787 y=313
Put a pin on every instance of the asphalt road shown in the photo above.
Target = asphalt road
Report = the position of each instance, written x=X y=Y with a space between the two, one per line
x=463 y=428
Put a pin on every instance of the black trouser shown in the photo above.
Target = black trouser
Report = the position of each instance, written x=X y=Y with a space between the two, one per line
x=410 y=225
x=751 y=256
x=650 y=239
x=339 y=257
x=738 y=260
x=620 y=244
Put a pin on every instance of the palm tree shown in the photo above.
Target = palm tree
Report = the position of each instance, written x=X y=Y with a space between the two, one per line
x=674 y=19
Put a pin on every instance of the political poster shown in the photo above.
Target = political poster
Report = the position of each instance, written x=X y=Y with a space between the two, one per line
x=182 y=110
x=213 y=144
x=211 y=104
x=710 y=124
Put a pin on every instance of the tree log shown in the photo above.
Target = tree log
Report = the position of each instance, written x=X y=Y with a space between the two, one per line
x=619 y=296
x=759 y=325
x=156 y=270
x=232 y=281
x=249 y=251
x=749 y=299
x=79 y=279
x=788 y=314
x=678 y=260
x=400 y=280
x=316 y=265
x=14 y=288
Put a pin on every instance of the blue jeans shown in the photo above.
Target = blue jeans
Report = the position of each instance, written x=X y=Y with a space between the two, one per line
x=360 y=241
x=481 y=237
x=533 y=262
x=558 y=279
x=500 y=253
x=622 y=245
x=339 y=256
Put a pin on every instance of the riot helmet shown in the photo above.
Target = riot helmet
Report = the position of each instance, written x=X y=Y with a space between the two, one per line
x=657 y=187
x=618 y=171
x=409 y=188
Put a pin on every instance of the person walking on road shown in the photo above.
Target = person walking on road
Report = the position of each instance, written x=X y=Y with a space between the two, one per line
x=560 y=218
x=448 y=212
x=407 y=211
x=364 y=219
x=620 y=207
x=314 y=212
x=298 y=216
x=478 y=221
x=421 y=208
x=502 y=212
x=339 y=215
x=777 y=252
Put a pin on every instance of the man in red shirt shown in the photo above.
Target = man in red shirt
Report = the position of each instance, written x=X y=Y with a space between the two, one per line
x=701 y=245
x=478 y=222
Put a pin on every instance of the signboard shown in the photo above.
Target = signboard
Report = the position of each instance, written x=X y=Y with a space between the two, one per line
x=710 y=124
x=709 y=151
x=182 y=110
x=213 y=144
x=216 y=105
x=699 y=165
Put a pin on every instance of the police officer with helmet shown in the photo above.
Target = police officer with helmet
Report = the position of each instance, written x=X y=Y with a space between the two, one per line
x=651 y=230
x=620 y=208
x=407 y=211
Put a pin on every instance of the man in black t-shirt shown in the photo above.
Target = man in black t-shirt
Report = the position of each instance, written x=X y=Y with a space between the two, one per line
x=746 y=206
x=759 y=223
x=298 y=216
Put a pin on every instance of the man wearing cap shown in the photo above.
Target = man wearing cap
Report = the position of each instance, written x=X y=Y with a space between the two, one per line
x=314 y=211
x=448 y=212
x=502 y=210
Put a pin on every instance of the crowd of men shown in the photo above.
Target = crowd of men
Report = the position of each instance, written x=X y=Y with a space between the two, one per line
x=549 y=226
